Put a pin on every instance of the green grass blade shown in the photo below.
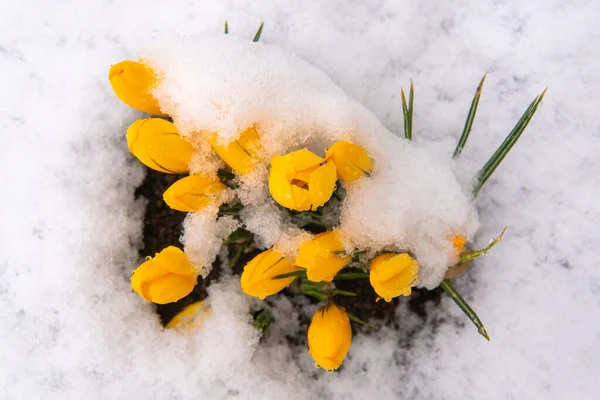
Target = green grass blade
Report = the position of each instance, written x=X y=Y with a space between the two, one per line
x=226 y=28
x=464 y=306
x=291 y=274
x=470 y=118
x=258 y=33
x=466 y=257
x=407 y=110
x=488 y=169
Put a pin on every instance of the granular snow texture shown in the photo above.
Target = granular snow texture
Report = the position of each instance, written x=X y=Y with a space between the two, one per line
x=71 y=327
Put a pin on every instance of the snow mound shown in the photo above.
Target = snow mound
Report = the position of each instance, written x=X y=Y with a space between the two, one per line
x=413 y=200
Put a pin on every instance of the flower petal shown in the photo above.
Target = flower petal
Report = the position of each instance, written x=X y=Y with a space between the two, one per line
x=133 y=82
x=322 y=184
x=351 y=160
x=158 y=145
x=241 y=154
x=193 y=193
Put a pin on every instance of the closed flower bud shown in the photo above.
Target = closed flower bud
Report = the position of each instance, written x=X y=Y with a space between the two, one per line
x=257 y=278
x=329 y=337
x=458 y=242
x=193 y=193
x=299 y=182
x=323 y=257
x=393 y=275
x=157 y=144
x=165 y=278
x=351 y=160
x=191 y=317
x=241 y=154
x=133 y=82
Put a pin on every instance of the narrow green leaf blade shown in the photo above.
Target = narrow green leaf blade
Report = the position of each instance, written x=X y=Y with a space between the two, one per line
x=464 y=306
x=350 y=275
x=407 y=110
x=466 y=257
x=226 y=28
x=258 y=33
x=291 y=274
x=488 y=169
x=470 y=118
x=354 y=318
x=263 y=321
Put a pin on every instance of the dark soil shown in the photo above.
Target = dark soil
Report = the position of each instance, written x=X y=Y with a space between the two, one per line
x=163 y=227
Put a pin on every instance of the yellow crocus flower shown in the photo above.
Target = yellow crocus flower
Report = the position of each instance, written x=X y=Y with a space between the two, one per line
x=329 y=337
x=321 y=257
x=133 y=82
x=158 y=145
x=241 y=154
x=299 y=182
x=191 y=317
x=166 y=278
x=351 y=161
x=193 y=193
x=393 y=275
x=257 y=278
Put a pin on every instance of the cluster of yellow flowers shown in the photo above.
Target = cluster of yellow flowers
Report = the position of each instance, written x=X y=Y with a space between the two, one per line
x=300 y=180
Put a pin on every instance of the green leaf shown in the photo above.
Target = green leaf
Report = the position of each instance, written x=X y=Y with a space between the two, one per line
x=226 y=28
x=465 y=257
x=464 y=306
x=344 y=293
x=315 y=294
x=240 y=235
x=291 y=274
x=407 y=109
x=350 y=275
x=469 y=122
x=354 y=318
x=239 y=250
x=258 y=32
x=263 y=321
x=488 y=169
x=227 y=209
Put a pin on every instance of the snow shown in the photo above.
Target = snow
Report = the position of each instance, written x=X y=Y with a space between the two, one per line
x=411 y=202
x=71 y=326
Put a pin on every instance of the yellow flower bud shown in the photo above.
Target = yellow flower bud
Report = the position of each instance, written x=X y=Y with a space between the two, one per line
x=165 y=278
x=191 y=317
x=257 y=278
x=351 y=160
x=393 y=275
x=241 y=154
x=329 y=337
x=459 y=242
x=321 y=257
x=133 y=82
x=193 y=193
x=157 y=144
x=297 y=180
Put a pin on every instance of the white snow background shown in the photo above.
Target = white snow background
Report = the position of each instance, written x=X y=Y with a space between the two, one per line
x=70 y=229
